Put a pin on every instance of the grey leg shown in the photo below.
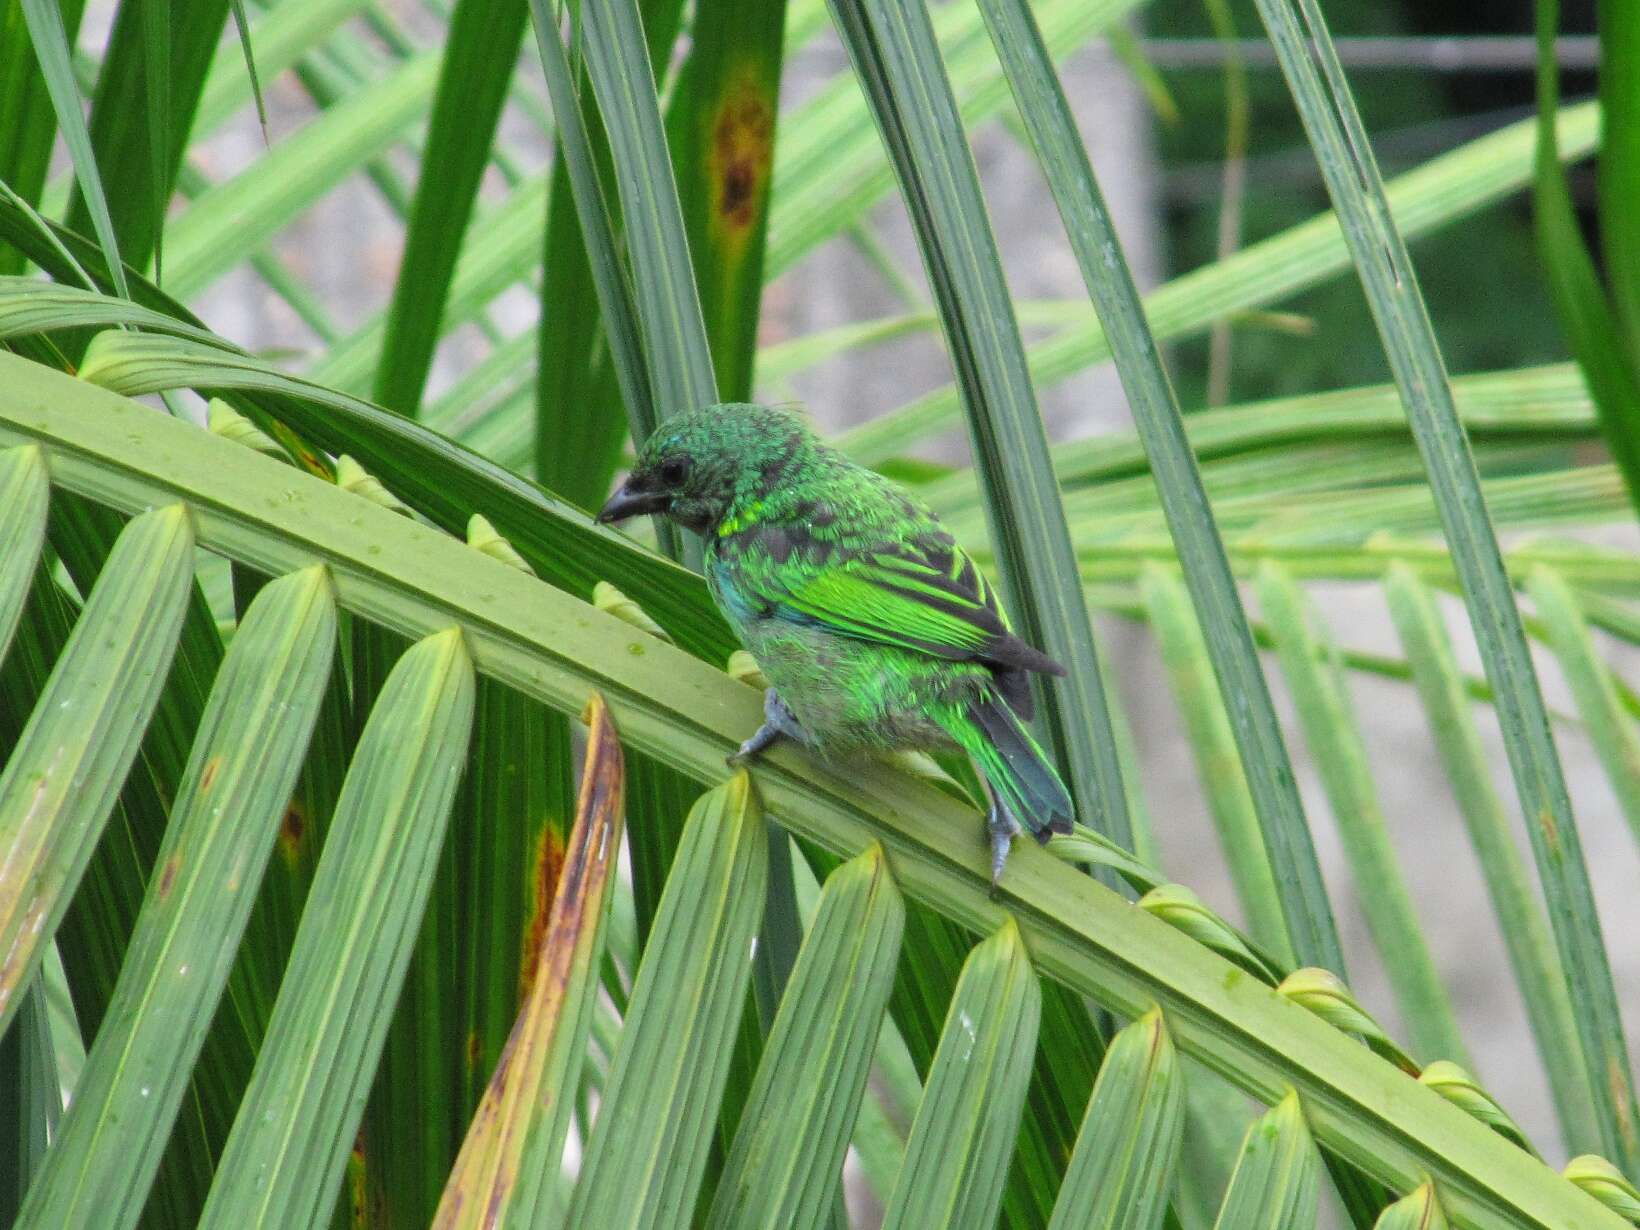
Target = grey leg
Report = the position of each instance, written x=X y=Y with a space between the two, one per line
x=778 y=723
x=1000 y=827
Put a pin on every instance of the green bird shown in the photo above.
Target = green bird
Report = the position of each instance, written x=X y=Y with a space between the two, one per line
x=874 y=628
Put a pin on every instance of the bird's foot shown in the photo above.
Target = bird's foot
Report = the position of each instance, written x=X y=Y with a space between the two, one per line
x=1000 y=827
x=778 y=723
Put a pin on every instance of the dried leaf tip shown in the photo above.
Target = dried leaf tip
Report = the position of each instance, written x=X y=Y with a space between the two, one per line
x=223 y=420
x=612 y=601
x=351 y=476
x=484 y=537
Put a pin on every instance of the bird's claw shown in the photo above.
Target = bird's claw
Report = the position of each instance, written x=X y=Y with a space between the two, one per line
x=1000 y=827
x=746 y=751
x=778 y=723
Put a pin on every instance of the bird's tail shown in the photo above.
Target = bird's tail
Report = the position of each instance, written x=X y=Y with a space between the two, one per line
x=1016 y=768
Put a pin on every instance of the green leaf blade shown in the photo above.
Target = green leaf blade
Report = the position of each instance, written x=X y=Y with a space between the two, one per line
x=61 y=778
x=896 y=56
x=295 y=1128
x=785 y=1168
x=1277 y=1182
x=480 y=52
x=1122 y=1171
x=1309 y=660
x=1526 y=933
x=233 y=796
x=957 y=1156
x=667 y=1074
x=1299 y=33
x=25 y=494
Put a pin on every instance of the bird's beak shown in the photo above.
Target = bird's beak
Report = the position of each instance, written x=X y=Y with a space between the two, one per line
x=629 y=503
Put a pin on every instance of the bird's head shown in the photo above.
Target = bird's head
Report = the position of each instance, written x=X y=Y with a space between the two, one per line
x=697 y=467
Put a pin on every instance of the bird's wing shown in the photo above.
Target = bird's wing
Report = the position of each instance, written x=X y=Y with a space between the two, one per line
x=925 y=596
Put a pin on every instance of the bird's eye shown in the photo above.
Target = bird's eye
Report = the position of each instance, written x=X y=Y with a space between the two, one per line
x=674 y=470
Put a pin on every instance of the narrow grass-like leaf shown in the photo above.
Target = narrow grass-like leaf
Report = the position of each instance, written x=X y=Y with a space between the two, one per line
x=211 y=237
x=1277 y=1181
x=1444 y=189
x=1201 y=705
x=282 y=36
x=239 y=779
x=1122 y=1171
x=24 y=494
x=896 y=57
x=1465 y=1092
x=61 y=777
x=558 y=649
x=284 y=1159
x=1525 y=931
x=156 y=75
x=1288 y=845
x=1609 y=359
x=892 y=47
x=28 y=127
x=1345 y=156
x=1609 y=727
x=28 y=305
x=956 y=1159
x=829 y=166
x=786 y=1165
x=647 y=1151
x=668 y=304
x=617 y=302
x=480 y=52
x=45 y=30
x=242 y=28
x=1419 y=1211
x=1619 y=171
x=121 y=128
x=1309 y=659
x=503 y=1176
x=31 y=1098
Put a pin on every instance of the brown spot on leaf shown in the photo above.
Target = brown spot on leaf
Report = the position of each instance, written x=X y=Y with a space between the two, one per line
x=207 y=777
x=547 y=863
x=168 y=874
x=293 y=829
x=357 y=1188
x=739 y=153
x=475 y=1050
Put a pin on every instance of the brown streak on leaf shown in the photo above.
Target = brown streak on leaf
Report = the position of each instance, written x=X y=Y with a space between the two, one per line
x=738 y=154
x=168 y=874
x=570 y=893
x=207 y=777
x=548 y=864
